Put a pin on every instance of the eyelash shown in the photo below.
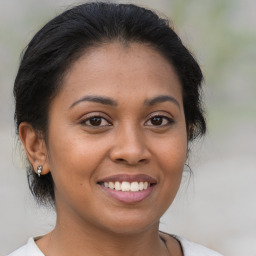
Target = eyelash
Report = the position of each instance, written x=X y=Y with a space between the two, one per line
x=100 y=118
x=168 y=120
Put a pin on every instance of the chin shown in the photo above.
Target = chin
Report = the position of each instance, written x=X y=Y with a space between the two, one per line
x=129 y=223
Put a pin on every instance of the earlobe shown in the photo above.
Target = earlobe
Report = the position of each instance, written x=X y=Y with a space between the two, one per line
x=35 y=147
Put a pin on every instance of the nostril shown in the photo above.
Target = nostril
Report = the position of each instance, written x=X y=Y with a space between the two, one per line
x=120 y=160
x=130 y=162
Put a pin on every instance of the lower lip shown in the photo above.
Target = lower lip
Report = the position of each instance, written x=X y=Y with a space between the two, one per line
x=128 y=197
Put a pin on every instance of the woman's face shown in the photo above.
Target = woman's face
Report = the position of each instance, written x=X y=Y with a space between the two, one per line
x=117 y=139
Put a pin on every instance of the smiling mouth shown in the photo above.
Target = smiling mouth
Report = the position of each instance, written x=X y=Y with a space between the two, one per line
x=129 y=189
x=127 y=186
x=128 y=183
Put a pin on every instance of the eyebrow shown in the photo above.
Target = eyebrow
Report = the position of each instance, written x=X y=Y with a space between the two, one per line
x=111 y=102
x=161 y=99
x=94 y=98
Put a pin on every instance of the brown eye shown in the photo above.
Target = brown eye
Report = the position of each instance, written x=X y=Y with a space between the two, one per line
x=157 y=120
x=95 y=121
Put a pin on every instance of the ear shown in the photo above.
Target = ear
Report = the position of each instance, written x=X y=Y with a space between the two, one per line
x=35 y=147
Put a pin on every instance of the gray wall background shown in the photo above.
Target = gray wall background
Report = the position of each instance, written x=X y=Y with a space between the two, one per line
x=217 y=206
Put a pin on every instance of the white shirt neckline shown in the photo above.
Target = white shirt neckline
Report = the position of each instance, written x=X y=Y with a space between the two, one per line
x=189 y=249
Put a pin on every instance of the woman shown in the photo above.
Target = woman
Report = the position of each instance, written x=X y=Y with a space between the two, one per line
x=107 y=100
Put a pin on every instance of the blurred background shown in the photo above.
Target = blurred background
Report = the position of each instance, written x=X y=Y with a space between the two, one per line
x=216 y=206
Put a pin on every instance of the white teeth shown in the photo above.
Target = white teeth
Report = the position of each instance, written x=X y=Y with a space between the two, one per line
x=117 y=185
x=126 y=186
x=110 y=185
x=134 y=186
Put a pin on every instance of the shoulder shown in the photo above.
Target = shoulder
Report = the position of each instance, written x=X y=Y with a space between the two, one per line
x=193 y=249
x=29 y=249
x=189 y=248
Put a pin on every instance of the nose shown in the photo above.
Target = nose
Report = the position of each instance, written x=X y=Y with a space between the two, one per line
x=129 y=147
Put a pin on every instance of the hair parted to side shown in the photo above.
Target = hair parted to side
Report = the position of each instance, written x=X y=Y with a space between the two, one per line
x=65 y=38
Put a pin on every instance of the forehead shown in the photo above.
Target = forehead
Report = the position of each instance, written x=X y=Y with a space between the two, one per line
x=113 y=68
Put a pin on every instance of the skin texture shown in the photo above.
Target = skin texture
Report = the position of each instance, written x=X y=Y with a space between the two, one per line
x=126 y=140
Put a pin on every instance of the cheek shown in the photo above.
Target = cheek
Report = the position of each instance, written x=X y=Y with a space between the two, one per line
x=172 y=156
x=173 y=152
x=172 y=163
x=73 y=163
x=73 y=157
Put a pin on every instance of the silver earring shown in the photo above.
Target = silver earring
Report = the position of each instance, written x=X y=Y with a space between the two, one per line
x=39 y=170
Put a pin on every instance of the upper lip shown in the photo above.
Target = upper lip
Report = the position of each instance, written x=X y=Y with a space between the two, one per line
x=129 y=178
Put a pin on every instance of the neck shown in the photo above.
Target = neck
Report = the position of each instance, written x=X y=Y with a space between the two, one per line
x=74 y=238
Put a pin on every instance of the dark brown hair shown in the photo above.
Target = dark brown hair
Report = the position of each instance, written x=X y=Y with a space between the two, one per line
x=65 y=38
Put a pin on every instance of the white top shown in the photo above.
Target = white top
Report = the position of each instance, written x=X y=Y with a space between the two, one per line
x=189 y=249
